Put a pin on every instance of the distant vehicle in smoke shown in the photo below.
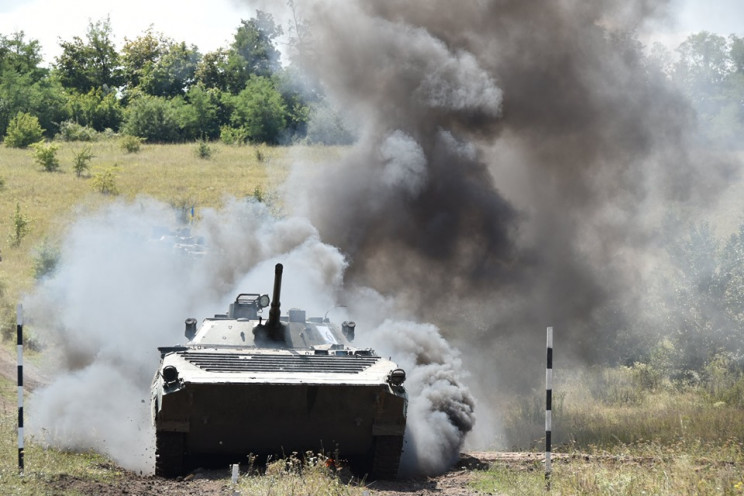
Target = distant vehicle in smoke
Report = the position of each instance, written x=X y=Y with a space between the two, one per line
x=245 y=386
x=182 y=241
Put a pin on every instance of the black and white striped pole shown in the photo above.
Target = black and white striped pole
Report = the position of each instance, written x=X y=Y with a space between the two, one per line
x=19 y=314
x=548 y=406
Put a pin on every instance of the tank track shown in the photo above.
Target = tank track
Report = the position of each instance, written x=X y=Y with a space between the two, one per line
x=169 y=454
x=386 y=457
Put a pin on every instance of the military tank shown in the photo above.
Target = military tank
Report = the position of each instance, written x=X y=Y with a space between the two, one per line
x=246 y=387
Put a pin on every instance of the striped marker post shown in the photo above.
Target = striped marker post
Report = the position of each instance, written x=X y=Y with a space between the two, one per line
x=19 y=314
x=548 y=406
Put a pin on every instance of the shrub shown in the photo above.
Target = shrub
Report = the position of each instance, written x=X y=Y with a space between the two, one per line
x=104 y=181
x=23 y=130
x=45 y=154
x=20 y=227
x=80 y=161
x=72 y=131
x=131 y=144
x=203 y=150
x=154 y=118
x=233 y=135
x=45 y=260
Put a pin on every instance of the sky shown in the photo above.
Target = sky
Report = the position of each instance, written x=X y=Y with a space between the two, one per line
x=211 y=24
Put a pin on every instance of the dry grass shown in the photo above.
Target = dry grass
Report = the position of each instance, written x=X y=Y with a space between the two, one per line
x=171 y=173
x=649 y=468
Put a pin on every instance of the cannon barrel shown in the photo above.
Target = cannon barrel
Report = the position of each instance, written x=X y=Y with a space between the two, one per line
x=274 y=311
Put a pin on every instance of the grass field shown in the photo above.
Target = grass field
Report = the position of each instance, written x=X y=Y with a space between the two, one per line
x=614 y=434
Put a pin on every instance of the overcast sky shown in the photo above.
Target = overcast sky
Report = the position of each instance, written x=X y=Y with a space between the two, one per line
x=210 y=24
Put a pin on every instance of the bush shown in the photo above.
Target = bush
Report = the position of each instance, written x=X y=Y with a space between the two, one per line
x=203 y=150
x=46 y=259
x=233 y=135
x=45 y=154
x=80 y=161
x=153 y=118
x=72 y=131
x=104 y=181
x=131 y=144
x=20 y=227
x=23 y=130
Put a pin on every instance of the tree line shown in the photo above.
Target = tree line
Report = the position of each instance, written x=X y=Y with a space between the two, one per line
x=164 y=91
x=161 y=90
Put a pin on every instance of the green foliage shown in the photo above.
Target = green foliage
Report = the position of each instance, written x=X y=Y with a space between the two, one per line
x=156 y=119
x=159 y=66
x=201 y=116
x=253 y=43
x=81 y=161
x=233 y=136
x=131 y=144
x=72 y=131
x=259 y=110
x=90 y=64
x=104 y=181
x=23 y=130
x=45 y=154
x=97 y=109
x=46 y=258
x=203 y=150
x=20 y=227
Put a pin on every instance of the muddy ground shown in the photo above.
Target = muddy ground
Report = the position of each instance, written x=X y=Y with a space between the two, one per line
x=214 y=482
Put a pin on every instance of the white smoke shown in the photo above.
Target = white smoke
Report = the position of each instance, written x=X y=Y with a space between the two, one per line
x=124 y=286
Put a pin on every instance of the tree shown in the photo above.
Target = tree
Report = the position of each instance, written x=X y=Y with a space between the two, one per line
x=199 y=119
x=25 y=87
x=96 y=109
x=260 y=111
x=159 y=66
x=20 y=56
x=138 y=56
x=252 y=52
x=94 y=63
x=174 y=72
x=211 y=72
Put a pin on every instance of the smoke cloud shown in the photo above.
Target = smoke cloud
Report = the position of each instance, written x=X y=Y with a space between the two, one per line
x=536 y=154
x=513 y=166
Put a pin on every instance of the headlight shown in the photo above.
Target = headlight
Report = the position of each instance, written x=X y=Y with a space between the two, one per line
x=397 y=377
x=170 y=374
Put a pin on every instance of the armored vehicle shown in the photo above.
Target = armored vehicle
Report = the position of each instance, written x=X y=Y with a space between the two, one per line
x=244 y=386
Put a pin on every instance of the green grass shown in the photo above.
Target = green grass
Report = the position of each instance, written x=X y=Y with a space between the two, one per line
x=648 y=468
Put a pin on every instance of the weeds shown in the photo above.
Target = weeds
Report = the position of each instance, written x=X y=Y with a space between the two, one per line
x=80 y=161
x=20 y=227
